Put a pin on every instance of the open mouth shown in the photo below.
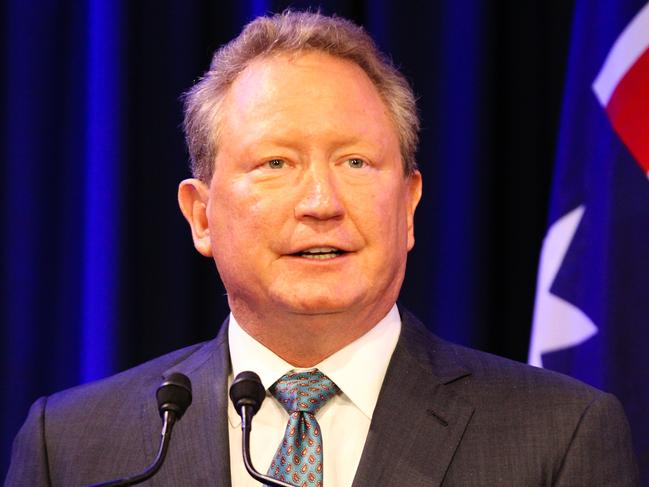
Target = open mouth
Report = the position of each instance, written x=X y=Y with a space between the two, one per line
x=320 y=253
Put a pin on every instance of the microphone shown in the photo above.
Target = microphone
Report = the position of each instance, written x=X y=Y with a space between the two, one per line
x=247 y=393
x=174 y=396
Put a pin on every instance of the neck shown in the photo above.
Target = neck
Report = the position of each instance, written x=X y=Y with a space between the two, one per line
x=304 y=340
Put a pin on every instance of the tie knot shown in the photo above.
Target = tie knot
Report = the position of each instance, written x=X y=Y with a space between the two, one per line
x=304 y=391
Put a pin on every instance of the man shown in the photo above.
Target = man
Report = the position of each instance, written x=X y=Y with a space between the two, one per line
x=302 y=140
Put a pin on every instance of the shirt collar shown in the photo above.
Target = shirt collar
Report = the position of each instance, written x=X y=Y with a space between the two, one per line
x=358 y=369
x=246 y=353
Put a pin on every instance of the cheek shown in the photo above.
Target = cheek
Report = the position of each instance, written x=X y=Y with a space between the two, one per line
x=245 y=216
x=390 y=216
x=227 y=214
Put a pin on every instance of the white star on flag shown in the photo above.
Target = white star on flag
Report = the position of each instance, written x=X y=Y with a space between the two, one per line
x=557 y=323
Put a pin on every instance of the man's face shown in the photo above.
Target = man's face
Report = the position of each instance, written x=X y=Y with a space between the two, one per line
x=308 y=210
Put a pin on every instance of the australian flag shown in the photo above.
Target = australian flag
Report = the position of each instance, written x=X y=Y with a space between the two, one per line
x=591 y=319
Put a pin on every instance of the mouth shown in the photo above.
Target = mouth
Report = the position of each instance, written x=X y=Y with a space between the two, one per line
x=320 y=253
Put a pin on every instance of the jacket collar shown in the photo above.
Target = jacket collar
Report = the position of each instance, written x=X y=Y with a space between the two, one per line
x=417 y=425
x=419 y=421
x=199 y=452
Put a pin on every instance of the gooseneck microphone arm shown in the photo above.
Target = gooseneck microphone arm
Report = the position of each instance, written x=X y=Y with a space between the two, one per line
x=174 y=397
x=247 y=393
x=152 y=469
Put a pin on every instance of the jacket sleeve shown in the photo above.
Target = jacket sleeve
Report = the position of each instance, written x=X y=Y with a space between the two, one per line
x=29 y=465
x=600 y=453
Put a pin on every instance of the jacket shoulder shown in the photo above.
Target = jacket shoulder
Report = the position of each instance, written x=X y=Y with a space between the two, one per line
x=483 y=373
x=491 y=372
x=93 y=421
x=123 y=386
x=539 y=423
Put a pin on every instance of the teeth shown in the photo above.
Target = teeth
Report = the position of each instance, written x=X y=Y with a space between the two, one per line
x=320 y=250
x=330 y=255
x=320 y=253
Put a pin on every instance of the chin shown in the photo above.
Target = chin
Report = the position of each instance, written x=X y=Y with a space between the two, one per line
x=314 y=304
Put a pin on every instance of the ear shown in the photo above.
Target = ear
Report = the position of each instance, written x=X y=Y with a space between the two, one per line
x=414 y=195
x=193 y=196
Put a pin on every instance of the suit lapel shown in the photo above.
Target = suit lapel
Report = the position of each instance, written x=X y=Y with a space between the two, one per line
x=418 y=422
x=199 y=451
x=416 y=427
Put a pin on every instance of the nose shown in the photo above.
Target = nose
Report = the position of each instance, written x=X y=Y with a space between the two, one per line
x=320 y=199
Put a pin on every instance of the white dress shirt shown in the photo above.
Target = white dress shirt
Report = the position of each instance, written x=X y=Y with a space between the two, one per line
x=358 y=370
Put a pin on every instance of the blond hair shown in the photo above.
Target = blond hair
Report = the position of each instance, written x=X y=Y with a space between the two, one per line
x=293 y=32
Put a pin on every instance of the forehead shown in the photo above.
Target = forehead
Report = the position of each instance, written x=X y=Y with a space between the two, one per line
x=307 y=93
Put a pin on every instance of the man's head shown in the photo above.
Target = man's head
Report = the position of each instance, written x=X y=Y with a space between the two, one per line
x=293 y=33
x=308 y=211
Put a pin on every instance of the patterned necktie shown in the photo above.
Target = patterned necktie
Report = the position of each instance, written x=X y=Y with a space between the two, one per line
x=299 y=456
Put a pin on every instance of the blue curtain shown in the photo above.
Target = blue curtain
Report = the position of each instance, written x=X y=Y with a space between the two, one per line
x=98 y=269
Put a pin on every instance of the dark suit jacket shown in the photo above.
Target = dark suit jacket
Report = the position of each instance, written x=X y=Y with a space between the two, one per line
x=446 y=415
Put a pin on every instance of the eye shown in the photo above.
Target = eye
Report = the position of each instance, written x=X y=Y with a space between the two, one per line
x=356 y=163
x=276 y=163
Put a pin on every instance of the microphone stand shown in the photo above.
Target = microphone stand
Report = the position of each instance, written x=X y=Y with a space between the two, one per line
x=247 y=393
x=169 y=418
x=174 y=396
x=246 y=413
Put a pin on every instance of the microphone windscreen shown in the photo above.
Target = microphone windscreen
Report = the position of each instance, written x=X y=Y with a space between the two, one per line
x=247 y=390
x=174 y=394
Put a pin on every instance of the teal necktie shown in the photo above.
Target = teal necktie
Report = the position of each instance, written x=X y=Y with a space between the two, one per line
x=298 y=459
